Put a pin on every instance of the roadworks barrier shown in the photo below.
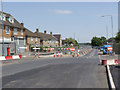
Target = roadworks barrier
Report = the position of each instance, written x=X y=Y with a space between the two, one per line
x=10 y=57
x=111 y=62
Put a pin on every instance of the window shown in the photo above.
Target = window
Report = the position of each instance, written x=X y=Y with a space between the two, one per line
x=7 y=30
x=11 y=19
x=36 y=39
x=4 y=17
x=21 y=32
x=31 y=38
x=15 y=31
x=7 y=18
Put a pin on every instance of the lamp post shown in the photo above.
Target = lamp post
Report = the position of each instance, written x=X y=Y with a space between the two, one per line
x=2 y=30
x=111 y=24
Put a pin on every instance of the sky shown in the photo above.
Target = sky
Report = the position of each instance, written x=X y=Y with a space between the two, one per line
x=79 y=20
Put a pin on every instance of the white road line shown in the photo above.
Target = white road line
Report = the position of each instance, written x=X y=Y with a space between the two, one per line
x=110 y=78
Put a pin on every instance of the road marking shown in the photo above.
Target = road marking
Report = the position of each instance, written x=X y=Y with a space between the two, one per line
x=110 y=78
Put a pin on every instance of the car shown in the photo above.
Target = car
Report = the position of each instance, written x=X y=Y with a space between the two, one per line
x=101 y=48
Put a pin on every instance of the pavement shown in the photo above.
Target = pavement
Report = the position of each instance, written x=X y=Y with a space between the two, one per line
x=62 y=72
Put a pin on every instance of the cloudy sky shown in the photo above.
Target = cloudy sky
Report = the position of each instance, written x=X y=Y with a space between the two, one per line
x=80 y=19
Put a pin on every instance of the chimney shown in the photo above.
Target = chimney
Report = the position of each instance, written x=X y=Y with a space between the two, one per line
x=22 y=24
x=37 y=30
x=50 y=33
x=45 y=31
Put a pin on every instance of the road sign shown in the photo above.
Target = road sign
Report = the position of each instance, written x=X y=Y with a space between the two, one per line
x=72 y=49
x=110 y=48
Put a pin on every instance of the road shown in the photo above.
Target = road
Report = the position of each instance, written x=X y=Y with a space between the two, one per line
x=65 y=72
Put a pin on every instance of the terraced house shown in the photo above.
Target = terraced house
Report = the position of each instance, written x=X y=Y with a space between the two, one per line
x=47 y=39
x=58 y=36
x=32 y=39
x=14 y=33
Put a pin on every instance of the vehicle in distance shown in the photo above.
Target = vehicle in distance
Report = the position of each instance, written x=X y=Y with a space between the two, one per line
x=105 y=49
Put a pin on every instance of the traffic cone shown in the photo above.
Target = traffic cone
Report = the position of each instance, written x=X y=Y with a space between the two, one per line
x=54 y=55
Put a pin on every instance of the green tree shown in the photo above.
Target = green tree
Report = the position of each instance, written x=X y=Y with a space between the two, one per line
x=117 y=38
x=69 y=41
x=96 y=41
x=111 y=39
x=103 y=40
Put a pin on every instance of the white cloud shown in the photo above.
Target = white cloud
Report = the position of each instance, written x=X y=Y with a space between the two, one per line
x=63 y=11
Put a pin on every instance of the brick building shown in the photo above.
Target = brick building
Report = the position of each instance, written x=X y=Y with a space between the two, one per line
x=58 y=36
x=47 y=39
x=32 y=39
x=14 y=33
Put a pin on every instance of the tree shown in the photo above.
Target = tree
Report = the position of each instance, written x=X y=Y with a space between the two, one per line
x=103 y=40
x=117 y=38
x=111 y=40
x=70 y=41
x=96 y=41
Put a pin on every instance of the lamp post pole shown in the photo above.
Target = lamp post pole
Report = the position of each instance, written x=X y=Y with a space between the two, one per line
x=2 y=30
x=111 y=25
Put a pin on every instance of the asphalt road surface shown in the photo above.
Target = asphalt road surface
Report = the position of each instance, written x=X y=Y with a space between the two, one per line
x=65 y=72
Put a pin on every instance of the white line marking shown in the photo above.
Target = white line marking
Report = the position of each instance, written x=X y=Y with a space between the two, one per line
x=110 y=77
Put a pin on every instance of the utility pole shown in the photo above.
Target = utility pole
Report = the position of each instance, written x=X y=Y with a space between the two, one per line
x=111 y=25
x=2 y=30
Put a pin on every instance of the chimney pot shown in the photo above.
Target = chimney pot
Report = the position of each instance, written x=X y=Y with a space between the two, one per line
x=50 y=33
x=37 y=30
x=45 y=31
x=22 y=24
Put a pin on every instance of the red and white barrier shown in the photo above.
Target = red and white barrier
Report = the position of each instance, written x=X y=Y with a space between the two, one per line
x=65 y=48
x=10 y=57
x=48 y=49
x=110 y=62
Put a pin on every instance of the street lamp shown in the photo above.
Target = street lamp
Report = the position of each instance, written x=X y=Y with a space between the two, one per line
x=111 y=24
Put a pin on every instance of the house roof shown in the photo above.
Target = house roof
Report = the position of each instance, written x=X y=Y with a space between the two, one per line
x=58 y=36
x=15 y=24
x=30 y=33
x=44 y=36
